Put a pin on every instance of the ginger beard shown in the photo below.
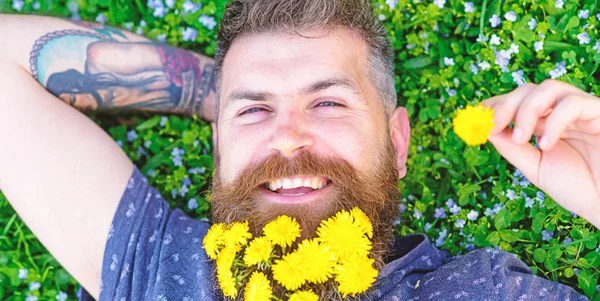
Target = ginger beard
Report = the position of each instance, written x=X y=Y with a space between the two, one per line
x=375 y=193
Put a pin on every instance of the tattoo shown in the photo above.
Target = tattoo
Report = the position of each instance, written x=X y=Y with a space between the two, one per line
x=100 y=69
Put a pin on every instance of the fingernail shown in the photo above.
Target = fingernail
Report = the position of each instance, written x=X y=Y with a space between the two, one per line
x=517 y=134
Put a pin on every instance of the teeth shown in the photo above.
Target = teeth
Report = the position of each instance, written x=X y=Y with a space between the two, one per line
x=314 y=184
x=289 y=183
x=306 y=182
x=297 y=183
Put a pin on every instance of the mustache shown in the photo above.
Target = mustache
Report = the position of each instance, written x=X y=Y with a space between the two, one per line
x=304 y=164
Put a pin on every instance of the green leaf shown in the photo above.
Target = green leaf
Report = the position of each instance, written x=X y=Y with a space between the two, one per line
x=587 y=282
x=509 y=235
x=148 y=124
x=537 y=225
x=502 y=220
x=493 y=238
x=539 y=255
x=418 y=62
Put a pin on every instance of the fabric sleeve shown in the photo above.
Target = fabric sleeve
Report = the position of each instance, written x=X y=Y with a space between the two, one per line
x=153 y=252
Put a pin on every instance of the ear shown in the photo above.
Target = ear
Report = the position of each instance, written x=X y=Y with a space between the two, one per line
x=214 y=134
x=400 y=134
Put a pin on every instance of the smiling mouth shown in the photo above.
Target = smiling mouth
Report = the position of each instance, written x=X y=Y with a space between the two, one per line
x=297 y=186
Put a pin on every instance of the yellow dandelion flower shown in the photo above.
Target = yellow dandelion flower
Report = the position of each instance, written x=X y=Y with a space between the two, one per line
x=227 y=284
x=363 y=221
x=355 y=274
x=214 y=240
x=258 y=288
x=304 y=296
x=282 y=231
x=474 y=124
x=259 y=250
x=343 y=235
x=237 y=234
x=317 y=259
x=225 y=259
x=288 y=271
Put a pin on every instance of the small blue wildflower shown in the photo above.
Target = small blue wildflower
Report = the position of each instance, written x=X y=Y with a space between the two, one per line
x=474 y=69
x=450 y=203
x=529 y=202
x=147 y=143
x=34 y=285
x=151 y=172
x=397 y=222
x=439 y=3
x=73 y=7
x=419 y=148
x=191 y=7
x=197 y=170
x=547 y=235
x=208 y=21
x=495 y=21
x=488 y=212
x=484 y=65
x=511 y=16
x=573 y=214
x=567 y=240
x=455 y=209
x=473 y=215
x=140 y=152
x=23 y=273
x=189 y=34
x=159 y=12
x=163 y=120
x=417 y=214
x=18 y=5
x=524 y=182
x=183 y=190
x=511 y=194
x=31 y=298
x=469 y=7
x=427 y=227
x=186 y=181
x=129 y=26
x=540 y=196
x=36 y=5
x=532 y=24
x=192 y=204
x=460 y=223
x=177 y=161
x=439 y=213
x=177 y=152
x=495 y=40
x=162 y=37
x=583 y=38
x=584 y=14
x=62 y=296
x=441 y=239
x=519 y=77
x=119 y=143
x=101 y=18
x=598 y=16
x=448 y=61
x=131 y=135
x=559 y=3
x=391 y=3
x=174 y=193
x=170 y=3
x=497 y=208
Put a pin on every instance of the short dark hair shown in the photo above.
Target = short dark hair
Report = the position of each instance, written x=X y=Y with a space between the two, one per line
x=245 y=17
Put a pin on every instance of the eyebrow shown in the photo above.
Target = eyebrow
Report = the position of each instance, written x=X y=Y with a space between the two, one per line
x=314 y=87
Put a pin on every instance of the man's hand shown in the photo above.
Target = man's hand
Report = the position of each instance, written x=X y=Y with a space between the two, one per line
x=566 y=123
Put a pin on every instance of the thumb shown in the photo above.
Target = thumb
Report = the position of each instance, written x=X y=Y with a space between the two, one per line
x=525 y=157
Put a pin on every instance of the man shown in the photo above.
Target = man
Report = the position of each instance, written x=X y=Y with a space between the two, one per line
x=305 y=95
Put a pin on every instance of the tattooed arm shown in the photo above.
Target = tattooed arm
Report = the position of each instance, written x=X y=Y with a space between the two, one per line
x=95 y=67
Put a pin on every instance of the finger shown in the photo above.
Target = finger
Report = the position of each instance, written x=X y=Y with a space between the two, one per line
x=538 y=102
x=506 y=105
x=565 y=114
x=523 y=156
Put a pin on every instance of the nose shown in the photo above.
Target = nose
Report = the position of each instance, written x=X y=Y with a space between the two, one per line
x=290 y=135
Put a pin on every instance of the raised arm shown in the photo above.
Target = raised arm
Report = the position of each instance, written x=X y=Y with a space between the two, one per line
x=96 y=67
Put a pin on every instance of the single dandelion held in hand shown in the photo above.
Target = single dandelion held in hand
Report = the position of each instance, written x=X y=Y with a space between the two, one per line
x=474 y=124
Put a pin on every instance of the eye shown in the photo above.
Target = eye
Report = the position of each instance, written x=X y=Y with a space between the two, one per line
x=329 y=104
x=252 y=110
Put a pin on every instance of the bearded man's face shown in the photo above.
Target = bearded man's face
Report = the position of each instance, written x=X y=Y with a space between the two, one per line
x=302 y=131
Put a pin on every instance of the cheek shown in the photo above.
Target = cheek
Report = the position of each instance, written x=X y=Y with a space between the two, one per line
x=237 y=149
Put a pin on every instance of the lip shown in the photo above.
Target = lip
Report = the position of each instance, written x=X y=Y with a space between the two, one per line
x=274 y=197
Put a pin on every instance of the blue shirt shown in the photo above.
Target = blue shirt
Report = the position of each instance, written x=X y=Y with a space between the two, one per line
x=155 y=253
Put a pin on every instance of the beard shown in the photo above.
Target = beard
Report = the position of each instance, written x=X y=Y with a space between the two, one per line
x=375 y=193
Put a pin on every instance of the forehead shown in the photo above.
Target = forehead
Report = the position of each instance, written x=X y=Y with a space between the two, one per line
x=281 y=62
